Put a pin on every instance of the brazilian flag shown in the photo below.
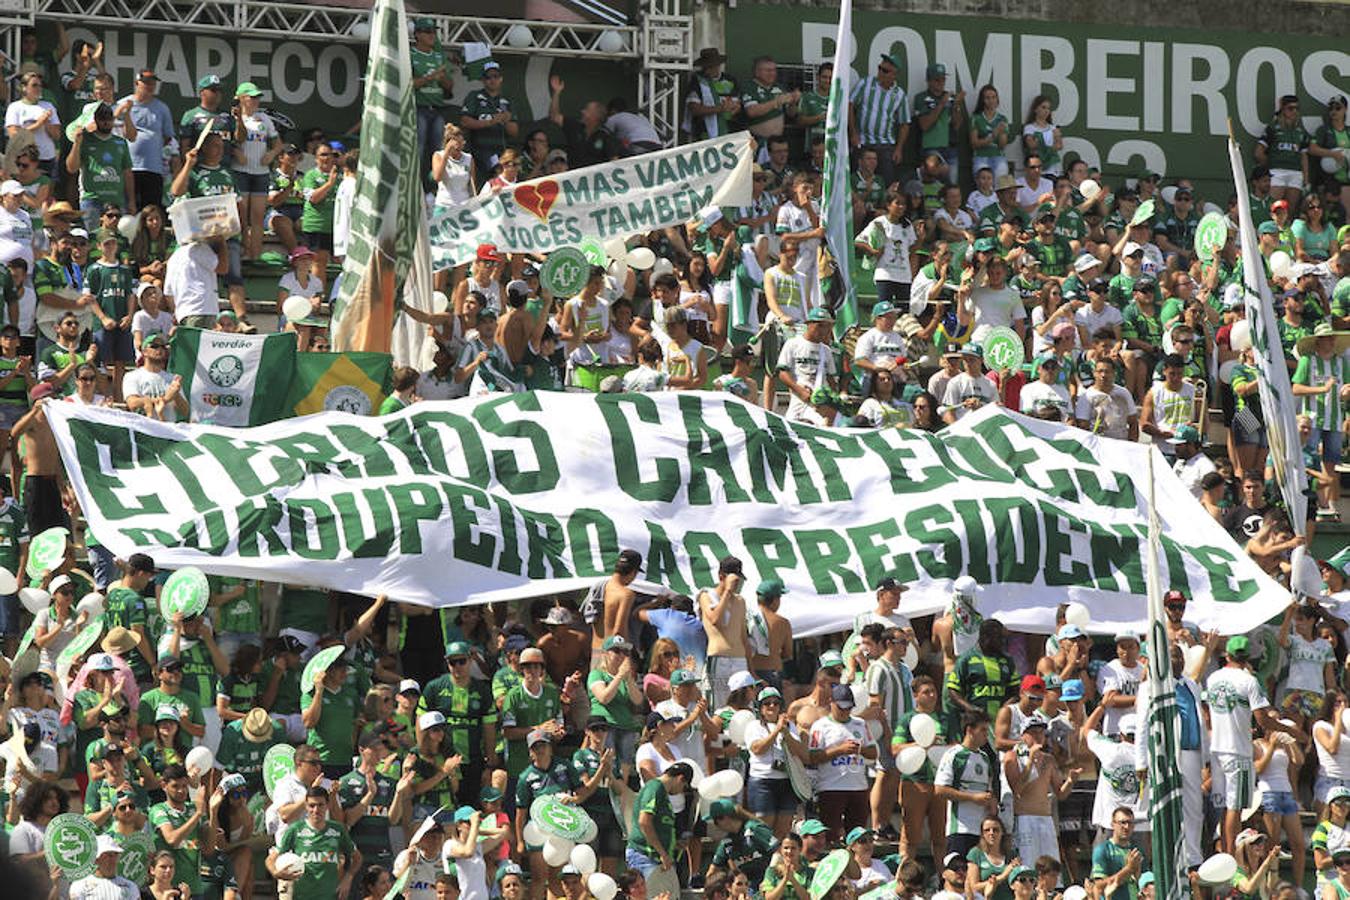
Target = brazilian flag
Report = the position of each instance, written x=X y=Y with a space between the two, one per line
x=353 y=382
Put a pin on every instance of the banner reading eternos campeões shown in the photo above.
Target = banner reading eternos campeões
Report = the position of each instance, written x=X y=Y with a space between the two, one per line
x=605 y=201
x=526 y=494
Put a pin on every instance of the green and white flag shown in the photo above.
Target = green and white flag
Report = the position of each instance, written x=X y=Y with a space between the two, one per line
x=836 y=211
x=388 y=260
x=234 y=379
x=1163 y=723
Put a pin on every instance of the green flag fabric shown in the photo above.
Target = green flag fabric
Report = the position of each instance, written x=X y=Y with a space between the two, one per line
x=836 y=210
x=234 y=379
x=346 y=382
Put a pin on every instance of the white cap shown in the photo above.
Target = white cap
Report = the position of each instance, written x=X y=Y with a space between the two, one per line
x=1129 y=724
x=965 y=586
x=740 y=680
x=106 y=844
x=10 y=186
x=1084 y=262
x=1298 y=270
x=409 y=684
x=58 y=582
x=519 y=286
x=431 y=719
x=709 y=216
x=1131 y=248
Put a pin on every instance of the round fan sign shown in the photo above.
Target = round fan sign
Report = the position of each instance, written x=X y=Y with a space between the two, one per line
x=564 y=820
x=278 y=762
x=47 y=551
x=134 y=863
x=1003 y=349
x=564 y=272
x=71 y=845
x=828 y=871
x=1210 y=236
x=186 y=591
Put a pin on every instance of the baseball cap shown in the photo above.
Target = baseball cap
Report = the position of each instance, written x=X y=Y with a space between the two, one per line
x=595 y=722
x=60 y=582
x=1186 y=434
x=457 y=648
x=971 y=348
x=1267 y=227
x=424 y=23
x=1131 y=248
x=169 y=661
x=707 y=217
x=682 y=676
x=954 y=861
x=1084 y=262
x=489 y=794
x=487 y=253
x=831 y=659
x=1126 y=636
x=464 y=813
x=630 y=558
x=1072 y=690
x=557 y=154
x=723 y=806
x=1129 y=723
x=1338 y=793
x=107 y=844
x=102 y=662
x=1146 y=879
x=539 y=736
x=984 y=245
x=409 y=686
x=730 y=565
x=147 y=75
x=1237 y=645
x=769 y=693
x=233 y=782
x=889 y=583
x=1146 y=283
x=247 y=89
x=516 y=643
x=820 y=314
x=1020 y=871
x=166 y=713
x=531 y=655
x=1069 y=632
x=934 y=70
x=857 y=833
x=432 y=719
x=842 y=695
x=952 y=349
x=1048 y=359
x=616 y=642
x=1036 y=720
x=879 y=309
x=811 y=826
x=771 y=587
x=10 y=186
x=1033 y=683
x=208 y=82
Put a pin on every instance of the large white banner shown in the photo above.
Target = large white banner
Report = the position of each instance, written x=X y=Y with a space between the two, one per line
x=527 y=494
x=601 y=202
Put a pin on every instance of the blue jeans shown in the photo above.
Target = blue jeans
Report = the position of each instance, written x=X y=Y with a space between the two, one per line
x=105 y=566
x=641 y=861
x=1329 y=441
x=430 y=133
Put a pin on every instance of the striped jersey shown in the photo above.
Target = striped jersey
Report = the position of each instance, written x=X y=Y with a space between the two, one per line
x=1324 y=409
x=879 y=111
x=965 y=770
x=891 y=682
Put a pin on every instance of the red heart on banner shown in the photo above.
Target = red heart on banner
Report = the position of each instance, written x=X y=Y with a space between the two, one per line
x=538 y=199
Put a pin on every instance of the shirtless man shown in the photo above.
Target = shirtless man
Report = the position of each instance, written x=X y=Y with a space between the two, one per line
x=777 y=636
x=958 y=629
x=517 y=330
x=617 y=603
x=45 y=490
x=1013 y=718
x=723 y=612
x=1031 y=774
x=805 y=710
x=565 y=648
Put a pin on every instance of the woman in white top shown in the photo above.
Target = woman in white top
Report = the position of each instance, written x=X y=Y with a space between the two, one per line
x=883 y=408
x=465 y=851
x=300 y=281
x=256 y=144
x=871 y=872
x=1312 y=665
x=658 y=752
x=1333 y=747
x=56 y=626
x=784 y=290
x=696 y=297
x=16 y=226
x=452 y=170
x=1046 y=315
x=1277 y=757
x=86 y=388
x=31 y=113
x=624 y=333
x=769 y=740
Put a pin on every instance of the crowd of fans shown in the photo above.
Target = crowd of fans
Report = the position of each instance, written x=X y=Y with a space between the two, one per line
x=948 y=756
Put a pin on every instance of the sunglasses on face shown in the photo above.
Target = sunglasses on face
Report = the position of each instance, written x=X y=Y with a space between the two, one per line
x=463 y=661
x=85 y=378
x=1343 y=863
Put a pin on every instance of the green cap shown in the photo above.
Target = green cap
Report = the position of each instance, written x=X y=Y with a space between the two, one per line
x=1268 y=227
x=1341 y=561
x=723 y=806
x=769 y=693
x=682 y=676
x=820 y=314
x=166 y=713
x=424 y=23
x=891 y=59
x=1237 y=645
x=934 y=70
x=811 y=826
x=857 y=833
x=489 y=794
x=1186 y=434
x=883 y=308
x=247 y=89
x=824 y=395
x=1342 y=233
x=984 y=245
x=1045 y=209
x=831 y=659
x=1046 y=358
x=457 y=648
x=1019 y=871
x=208 y=81
x=771 y=587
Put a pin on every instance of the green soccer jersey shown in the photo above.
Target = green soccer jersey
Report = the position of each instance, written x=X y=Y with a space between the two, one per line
x=1285 y=144
x=154 y=698
x=370 y=833
x=194 y=120
x=535 y=782
x=1142 y=326
x=123 y=606
x=322 y=850
x=187 y=856
x=57 y=358
x=1178 y=229
x=111 y=285
x=104 y=163
x=939 y=136
x=813 y=103
x=13 y=533
x=985 y=681
x=289 y=185
x=585 y=763
x=424 y=62
x=653 y=799
x=756 y=94
x=1108 y=858
x=305 y=609
x=1069 y=225
x=317 y=218
x=985 y=127
x=287 y=701
x=238 y=754
x=335 y=733
x=618 y=712
x=522 y=709
x=1291 y=334
x=1120 y=290
x=1054 y=255
x=1325 y=410
x=481 y=106
x=243 y=614
x=467 y=709
x=209 y=181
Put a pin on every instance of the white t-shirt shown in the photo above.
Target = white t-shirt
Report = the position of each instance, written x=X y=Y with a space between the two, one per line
x=1115 y=677
x=811 y=365
x=762 y=764
x=1172 y=409
x=877 y=346
x=682 y=362
x=643 y=380
x=311 y=287
x=28 y=309
x=1306 y=662
x=430 y=387
x=190 y=279
x=1192 y=470
x=594 y=317
x=1030 y=194
x=842 y=773
x=421 y=875
x=26 y=838
x=961 y=219
x=1038 y=392
x=144 y=323
x=144 y=383
x=792 y=219
x=94 y=887
x=648 y=753
x=895 y=240
x=259 y=132
x=470 y=875
x=964 y=385
x=1232 y=695
x=689 y=742
x=1117 y=781
x=1107 y=414
x=1092 y=320
x=1332 y=765
x=25 y=114
x=342 y=215
x=977 y=202
x=16 y=237
x=995 y=307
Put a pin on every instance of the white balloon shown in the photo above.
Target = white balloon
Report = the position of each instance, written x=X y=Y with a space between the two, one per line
x=662 y=266
x=1077 y=614
x=533 y=836
x=1218 y=869
x=557 y=851
x=911 y=760
x=1280 y=263
x=740 y=721
x=601 y=886
x=1089 y=189
x=641 y=258
x=583 y=857
x=35 y=600
x=361 y=31
x=923 y=728
x=91 y=603
x=610 y=42
x=911 y=655
x=616 y=249
x=296 y=307
x=8 y=583
x=1211 y=208
x=1169 y=194
x=199 y=759
x=519 y=36
x=129 y=226
x=290 y=863
x=936 y=752
x=439 y=302
x=1330 y=164
x=1226 y=370
x=1240 y=335
x=730 y=783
